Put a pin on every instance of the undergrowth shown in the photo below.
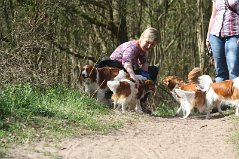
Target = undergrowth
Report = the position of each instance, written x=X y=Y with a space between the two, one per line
x=29 y=112
x=32 y=113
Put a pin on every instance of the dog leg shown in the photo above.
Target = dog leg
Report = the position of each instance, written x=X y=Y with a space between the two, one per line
x=115 y=105
x=124 y=106
x=118 y=106
x=138 y=107
x=178 y=111
x=237 y=109
x=219 y=109
x=188 y=111
x=101 y=97
x=209 y=108
x=183 y=107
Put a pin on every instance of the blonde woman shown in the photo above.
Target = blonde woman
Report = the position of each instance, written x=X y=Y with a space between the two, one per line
x=133 y=55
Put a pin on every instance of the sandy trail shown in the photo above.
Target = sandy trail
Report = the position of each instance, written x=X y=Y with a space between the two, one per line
x=155 y=138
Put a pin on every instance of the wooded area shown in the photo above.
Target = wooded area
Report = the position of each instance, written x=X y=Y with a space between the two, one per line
x=45 y=41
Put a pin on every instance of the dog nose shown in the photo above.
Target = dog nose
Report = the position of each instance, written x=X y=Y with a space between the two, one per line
x=84 y=75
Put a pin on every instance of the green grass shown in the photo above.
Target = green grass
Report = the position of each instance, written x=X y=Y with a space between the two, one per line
x=29 y=113
x=235 y=136
x=33 y=113
x=165 y=110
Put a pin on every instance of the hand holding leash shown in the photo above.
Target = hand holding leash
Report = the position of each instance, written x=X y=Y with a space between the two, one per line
x=209 y=53
x=207 y=43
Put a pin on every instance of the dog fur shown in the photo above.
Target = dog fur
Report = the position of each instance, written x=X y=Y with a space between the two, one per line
x=95 y=80
x=125 y=93
x=187 y=94
x=217 y=93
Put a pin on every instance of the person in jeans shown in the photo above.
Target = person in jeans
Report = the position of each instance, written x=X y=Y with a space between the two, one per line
x=223 y=38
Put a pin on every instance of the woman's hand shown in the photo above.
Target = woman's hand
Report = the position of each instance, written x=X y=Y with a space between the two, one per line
x=207 y=43
x=211 y=63
x=129 y=69
x=136 y=80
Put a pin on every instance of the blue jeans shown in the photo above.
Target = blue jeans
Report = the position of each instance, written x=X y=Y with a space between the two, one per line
x=226 y=57
x=152 y=73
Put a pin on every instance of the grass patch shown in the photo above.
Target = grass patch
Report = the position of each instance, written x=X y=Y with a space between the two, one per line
x=235 y=136
x=165 y=110
x=31 y=113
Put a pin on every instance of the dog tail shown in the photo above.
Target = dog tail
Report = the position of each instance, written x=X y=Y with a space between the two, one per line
x=186 y=95
x=194 y=74
x=113 y=85
x=204 y=82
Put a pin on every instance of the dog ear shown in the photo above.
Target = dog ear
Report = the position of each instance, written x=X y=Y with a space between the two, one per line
x=149 y=85
x=186 y=95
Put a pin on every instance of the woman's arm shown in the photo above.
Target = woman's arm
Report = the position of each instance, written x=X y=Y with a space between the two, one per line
x=212 y=19
x=129 y=68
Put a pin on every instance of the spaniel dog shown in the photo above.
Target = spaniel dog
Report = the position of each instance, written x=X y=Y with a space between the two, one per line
x=217 y=93
x=187 y=94
x=95 y=80
x=127 y=94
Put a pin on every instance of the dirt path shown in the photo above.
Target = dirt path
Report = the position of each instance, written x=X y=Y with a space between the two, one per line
x=156 y=138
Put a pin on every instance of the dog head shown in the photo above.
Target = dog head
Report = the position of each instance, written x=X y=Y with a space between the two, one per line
x=88 y=71
x=149 y=85
x=145 y=86
x=172 y=81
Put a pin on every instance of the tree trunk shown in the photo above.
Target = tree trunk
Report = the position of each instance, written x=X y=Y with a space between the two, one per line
x=200 y=33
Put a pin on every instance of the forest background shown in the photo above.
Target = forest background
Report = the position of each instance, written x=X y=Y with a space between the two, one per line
x=46 y=41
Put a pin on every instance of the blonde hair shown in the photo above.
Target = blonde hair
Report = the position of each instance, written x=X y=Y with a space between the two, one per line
x=151 y=34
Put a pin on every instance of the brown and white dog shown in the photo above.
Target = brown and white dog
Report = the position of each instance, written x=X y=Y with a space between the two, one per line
x=125 y=93
x=187 y=94
x=95 y=80
x=216 y=93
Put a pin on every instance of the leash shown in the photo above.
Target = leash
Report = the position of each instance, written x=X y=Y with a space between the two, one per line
x=230 y=8
x=92 y=95
x=211 y=62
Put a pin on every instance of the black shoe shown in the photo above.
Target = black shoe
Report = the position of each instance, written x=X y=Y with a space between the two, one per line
x=224 y=107
x=145 y=108
x=108 y=94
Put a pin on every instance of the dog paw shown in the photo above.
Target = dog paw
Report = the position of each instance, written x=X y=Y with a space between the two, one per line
x=208 y=117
